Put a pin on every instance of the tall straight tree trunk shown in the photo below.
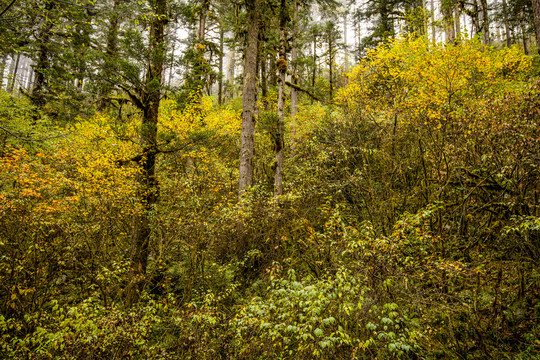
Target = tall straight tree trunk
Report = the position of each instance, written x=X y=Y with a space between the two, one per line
x=200 y=46
x=231 y=70
x=110 y=51
x=13 y=75
x=331 y=63
x=505 y=20
x=294 y=56
x=42 y=63
x=485 y=22
x=148 y=187
x=30 y=82
x=457 y=21
x=314 y=70
x=536 y=14
x=433 y=30
x=264 y=81
x=447 y=9
x=2 y=70
x=345 y=31
x=220 y=64
x=523 y=33
x=249 y=97
x=282 y=70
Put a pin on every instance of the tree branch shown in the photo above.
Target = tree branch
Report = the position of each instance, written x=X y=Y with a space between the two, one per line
x=28 y=139
x=298 y=87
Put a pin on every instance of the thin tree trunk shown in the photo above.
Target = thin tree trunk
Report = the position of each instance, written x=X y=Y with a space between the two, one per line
x=433 y=34
x=249 y=98
x=485 y=22
x=264 y=82
x=282 y=69
x=231 y=71
x=13 y=76
x=330 y=63
x=523 y=33
x=314 y=72
x=200 y=47
x=2 y=70
x=505 y=20
x=171 y=62
x=110 y=52
x=536 y=12
x=42 y=63
x=345 y=31
x=294 y=55
x=148 y=187
x=30 y=82
x=220 y=78
x=457 y=21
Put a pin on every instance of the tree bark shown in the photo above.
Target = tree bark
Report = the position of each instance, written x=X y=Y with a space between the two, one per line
x=249 y=98
x=42 y=63
x=110 y=52
x=282 y=70
x=220 y=78
x=264 y=81
x=485 y=22
x=523 y=33
x=433 y=33
x=294 y=56
x=505 y=20
x=536 y=12
x=448 y=18
x=148 y=187
x=2 y=70
x=314 y=70
x=13 y=75
x=331 y=56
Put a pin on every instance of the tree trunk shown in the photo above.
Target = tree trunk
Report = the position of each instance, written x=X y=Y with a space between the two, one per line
x=485 y=22
x=314 y=72
x=523 y=33
x=148 y=187
x=110 y=52
x=42 y=63
x=282 y=70
x=448 y=18
x=294 y=56
x=200 y=47
x=13 y=75
x=505 y=20
x=220 y=76
x=331 y=63
x=457 y=21
x=536 y=11
x=2 y=70
x=346 y=47
x=249 y=98
x=433 y=31
x=264 y=82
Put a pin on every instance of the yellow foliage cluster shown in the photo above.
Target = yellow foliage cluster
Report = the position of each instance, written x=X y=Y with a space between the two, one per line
x=198 y=117
x=425 y=83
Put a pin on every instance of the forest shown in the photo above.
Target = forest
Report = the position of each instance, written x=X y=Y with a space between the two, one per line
x=269 y=179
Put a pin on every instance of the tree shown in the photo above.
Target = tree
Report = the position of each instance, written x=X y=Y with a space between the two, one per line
x=536 y=15
x=148 y=103
x=249 y=97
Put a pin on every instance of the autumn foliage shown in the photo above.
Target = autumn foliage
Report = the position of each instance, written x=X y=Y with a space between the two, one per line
x=408 y=227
